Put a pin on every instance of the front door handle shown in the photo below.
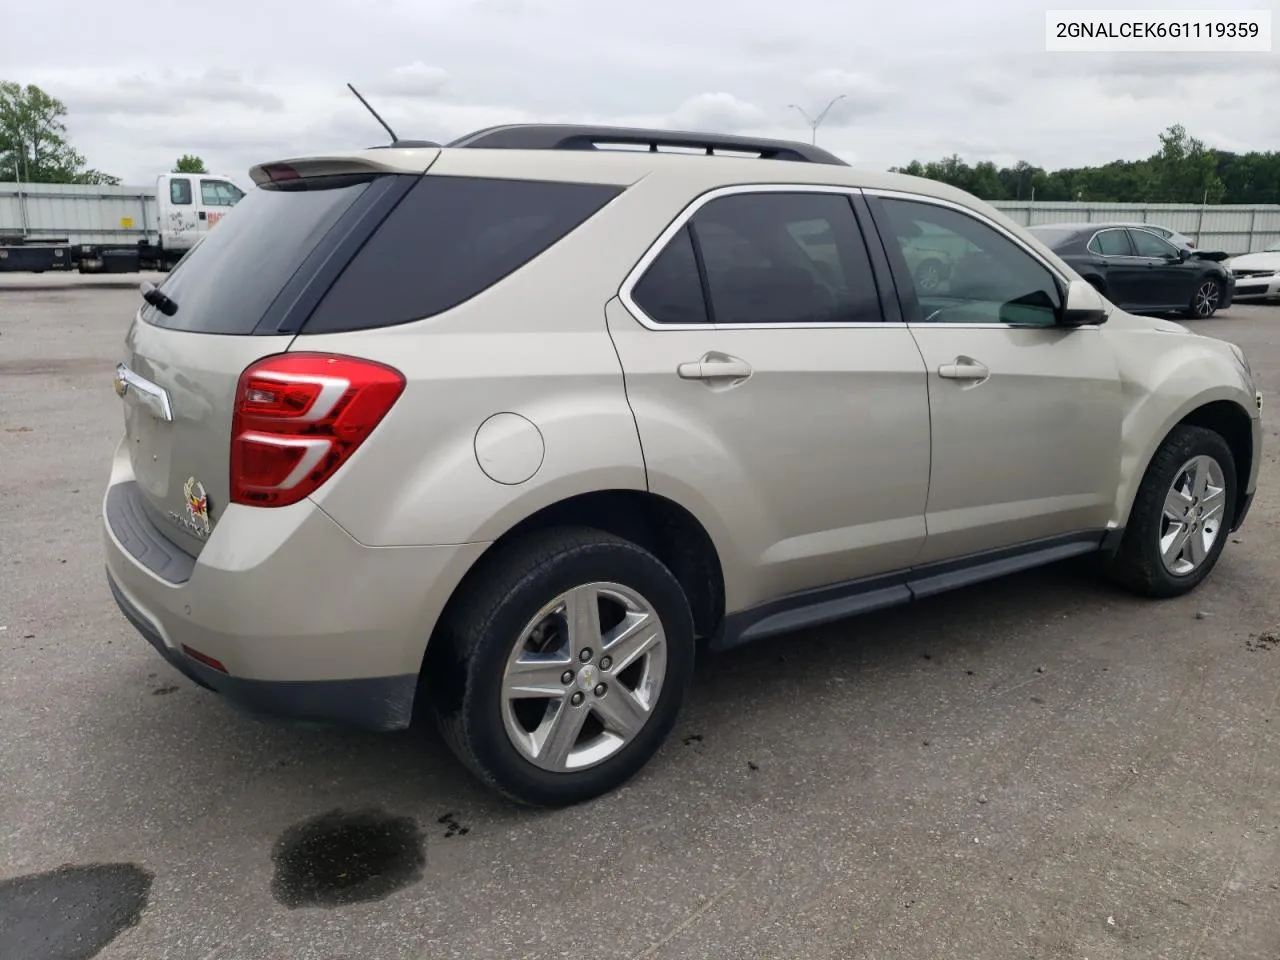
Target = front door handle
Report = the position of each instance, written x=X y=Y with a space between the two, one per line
x=714 y=366
x=964 y=368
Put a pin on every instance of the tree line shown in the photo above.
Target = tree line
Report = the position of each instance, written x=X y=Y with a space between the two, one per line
x=1183 y=170
x=34 y=146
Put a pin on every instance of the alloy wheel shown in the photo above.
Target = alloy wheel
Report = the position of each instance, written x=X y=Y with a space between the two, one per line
x=1207 y=297
x=584 y=677
x=1194 y=512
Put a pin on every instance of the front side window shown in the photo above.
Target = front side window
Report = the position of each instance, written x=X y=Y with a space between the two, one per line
x=1111 y=243
x=987 y=279
x=1147 y=244
x=180 y=191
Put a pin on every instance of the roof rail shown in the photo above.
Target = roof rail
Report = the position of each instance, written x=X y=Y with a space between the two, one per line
x=555 y=136
x=404 y=145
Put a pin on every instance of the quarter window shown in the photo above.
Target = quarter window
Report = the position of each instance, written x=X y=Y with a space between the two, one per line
x=965 y=271
x=180 y=191
x=765 y=258
x=1149 y=245
x=1111 y=243
x=671 y=290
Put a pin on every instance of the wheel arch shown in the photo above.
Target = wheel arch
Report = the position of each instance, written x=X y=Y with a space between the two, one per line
x=1223 y=415
x=660 y=525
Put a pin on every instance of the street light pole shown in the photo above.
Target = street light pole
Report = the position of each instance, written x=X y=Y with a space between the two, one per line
x=815 y=123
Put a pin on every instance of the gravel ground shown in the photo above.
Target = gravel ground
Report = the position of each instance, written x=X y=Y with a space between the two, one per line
x=1038 y=767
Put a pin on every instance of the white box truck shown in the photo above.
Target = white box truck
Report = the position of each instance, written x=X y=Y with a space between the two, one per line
x=109 y=229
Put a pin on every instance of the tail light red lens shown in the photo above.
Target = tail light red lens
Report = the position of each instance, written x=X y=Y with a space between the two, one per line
x=298 y=417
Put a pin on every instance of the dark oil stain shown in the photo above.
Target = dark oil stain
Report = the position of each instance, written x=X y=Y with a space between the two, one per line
x=927 y=656
x=452 y=827
x=1262 y=641
x=752 y=766
x=70 y=913
x=162 y=691
x=1037 y=699
x=340 y=858
x=692 y=738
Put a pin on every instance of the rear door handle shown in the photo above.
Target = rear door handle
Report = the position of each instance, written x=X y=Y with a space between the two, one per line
x=964 y=368
x=714 y=367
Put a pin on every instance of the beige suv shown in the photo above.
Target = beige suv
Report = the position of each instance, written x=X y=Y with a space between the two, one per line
x=504 y=429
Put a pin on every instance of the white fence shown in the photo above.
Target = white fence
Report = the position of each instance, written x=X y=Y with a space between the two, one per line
x=1234 y=228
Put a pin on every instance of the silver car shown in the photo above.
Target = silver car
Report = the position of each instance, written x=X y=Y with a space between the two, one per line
x=501 y=431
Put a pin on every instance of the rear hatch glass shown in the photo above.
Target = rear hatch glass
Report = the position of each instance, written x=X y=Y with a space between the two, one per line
x=180 y=445
x=227 y=281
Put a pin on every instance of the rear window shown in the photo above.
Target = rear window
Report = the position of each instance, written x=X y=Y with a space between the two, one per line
x=225 y=284
x=448 y=240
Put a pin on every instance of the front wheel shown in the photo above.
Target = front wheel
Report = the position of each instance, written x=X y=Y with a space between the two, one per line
x=565 y=665
x=1204 y=302
x=1180 y=517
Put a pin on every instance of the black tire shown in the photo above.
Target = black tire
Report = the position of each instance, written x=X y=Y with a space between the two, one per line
x=485 y=621
x=1137 y=564
x=1205 y=299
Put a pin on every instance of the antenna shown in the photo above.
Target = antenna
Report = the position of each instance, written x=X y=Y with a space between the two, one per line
x=385 y=127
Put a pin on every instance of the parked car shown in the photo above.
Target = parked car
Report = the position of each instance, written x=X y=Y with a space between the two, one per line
x=1257 y=275
x=1141 y=272
x=500 y=431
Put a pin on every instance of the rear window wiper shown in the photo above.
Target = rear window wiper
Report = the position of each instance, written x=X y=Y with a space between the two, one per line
x=158 y=299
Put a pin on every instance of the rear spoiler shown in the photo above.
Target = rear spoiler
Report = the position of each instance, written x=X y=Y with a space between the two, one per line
x=415 y=161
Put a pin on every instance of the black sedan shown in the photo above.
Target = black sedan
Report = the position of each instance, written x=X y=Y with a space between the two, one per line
x=1140 y=271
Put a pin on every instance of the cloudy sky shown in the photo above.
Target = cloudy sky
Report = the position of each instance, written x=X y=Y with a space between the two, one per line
x=239 y=82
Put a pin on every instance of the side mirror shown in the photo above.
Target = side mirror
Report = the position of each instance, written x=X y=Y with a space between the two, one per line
x=1183 y=254
x=1083 y=305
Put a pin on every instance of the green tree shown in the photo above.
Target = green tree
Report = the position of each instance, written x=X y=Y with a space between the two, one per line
x=189 y=163
x=1184 y=170
x=33 y=139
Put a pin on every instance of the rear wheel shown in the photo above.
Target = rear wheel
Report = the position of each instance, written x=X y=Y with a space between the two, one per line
x=1204 y=302
x=1180 y=517
x=565 y=665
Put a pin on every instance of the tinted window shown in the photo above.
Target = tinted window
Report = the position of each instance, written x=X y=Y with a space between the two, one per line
x=227 y=281
x=671 y=290
x=1111 y=243
x=987 y=277
x=785 y=258
x=1149 y=245
x=216 y=193
x=180 y=191
x=448 y=240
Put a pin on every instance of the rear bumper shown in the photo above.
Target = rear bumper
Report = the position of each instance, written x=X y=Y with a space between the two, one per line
x=307 y=622
x=372 y=703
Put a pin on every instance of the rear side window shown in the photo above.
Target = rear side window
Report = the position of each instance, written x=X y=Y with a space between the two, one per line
x=1111 y=243
x=180 y=191
x=448 y=240
x=671 y=290
x=767 y=258
x=226 y=282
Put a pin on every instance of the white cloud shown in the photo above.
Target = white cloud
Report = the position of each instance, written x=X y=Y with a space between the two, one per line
x=920 y=79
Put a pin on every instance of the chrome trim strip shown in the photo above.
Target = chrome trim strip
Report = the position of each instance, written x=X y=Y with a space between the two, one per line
x=153 y=396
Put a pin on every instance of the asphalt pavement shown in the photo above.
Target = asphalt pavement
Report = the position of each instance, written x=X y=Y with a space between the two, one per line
x=1037 y=767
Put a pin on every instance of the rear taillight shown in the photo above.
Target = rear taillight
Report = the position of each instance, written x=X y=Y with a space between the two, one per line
x=298 y=417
